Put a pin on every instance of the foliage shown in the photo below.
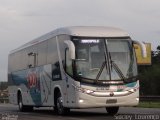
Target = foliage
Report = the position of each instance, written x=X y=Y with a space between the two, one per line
x=149 y=104
x=149 y=76
x=3 y=85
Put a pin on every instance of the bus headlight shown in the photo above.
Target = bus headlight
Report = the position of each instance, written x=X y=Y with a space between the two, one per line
x=83 y=90
x=137 y=99
x=81 y=101
x=133 y=90
x=89 y=91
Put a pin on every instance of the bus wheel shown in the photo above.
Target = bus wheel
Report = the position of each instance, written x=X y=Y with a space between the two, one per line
x=20 y=103
x=61 y=110
x=23 y=108
x=112 y=110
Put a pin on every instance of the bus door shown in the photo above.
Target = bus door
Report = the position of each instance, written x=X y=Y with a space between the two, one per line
x=70 y=90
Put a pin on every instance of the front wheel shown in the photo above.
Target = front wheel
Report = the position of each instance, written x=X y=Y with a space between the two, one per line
x=112 y=110
x=61 y=110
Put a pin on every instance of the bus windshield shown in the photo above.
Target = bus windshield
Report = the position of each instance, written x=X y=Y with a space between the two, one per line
x=104 y=59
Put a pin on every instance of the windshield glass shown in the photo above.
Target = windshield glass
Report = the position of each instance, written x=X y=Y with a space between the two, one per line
x=104 y=59
x=122 y=55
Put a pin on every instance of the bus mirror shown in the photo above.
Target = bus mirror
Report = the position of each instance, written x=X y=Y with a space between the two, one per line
x=143 y=48
x=71 y=49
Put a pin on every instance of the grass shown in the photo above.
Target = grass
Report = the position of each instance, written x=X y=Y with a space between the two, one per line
x=149 y=104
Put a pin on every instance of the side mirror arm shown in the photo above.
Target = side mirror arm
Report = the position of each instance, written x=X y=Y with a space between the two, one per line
x=71 y=48
x=143 y=48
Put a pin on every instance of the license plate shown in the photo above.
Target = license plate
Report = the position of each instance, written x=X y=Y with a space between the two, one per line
x=111 y=101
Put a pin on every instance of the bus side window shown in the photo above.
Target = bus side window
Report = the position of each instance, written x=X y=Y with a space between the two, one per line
x=68 y=63
x=56 y=73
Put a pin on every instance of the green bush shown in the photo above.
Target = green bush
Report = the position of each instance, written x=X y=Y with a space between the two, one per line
x=149 y=76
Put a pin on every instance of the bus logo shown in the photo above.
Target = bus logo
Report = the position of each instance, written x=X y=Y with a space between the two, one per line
x=32 y=79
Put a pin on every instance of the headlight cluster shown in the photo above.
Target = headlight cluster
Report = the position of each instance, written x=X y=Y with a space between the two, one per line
x=83 y=90
x=133 y=90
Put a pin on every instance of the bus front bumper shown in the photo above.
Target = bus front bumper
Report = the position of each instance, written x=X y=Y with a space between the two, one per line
x=89 y=101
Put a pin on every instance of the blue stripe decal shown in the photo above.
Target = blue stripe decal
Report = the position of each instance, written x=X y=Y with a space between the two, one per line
x=131 y=84
x=31 y=79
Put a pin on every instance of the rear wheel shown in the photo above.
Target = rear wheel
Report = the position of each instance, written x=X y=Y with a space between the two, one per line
x=112 y=110
x=20 y=104
x=60 y=109
x=23 y=108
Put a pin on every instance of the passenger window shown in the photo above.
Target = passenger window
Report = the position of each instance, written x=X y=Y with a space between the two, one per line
x=56 y=73
x=52 y=54
x=42 y=53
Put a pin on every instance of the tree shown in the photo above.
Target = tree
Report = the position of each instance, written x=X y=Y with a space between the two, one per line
x=149 y=76
x=3 y=85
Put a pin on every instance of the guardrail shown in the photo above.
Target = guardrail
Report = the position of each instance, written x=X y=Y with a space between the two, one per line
x=150 y=98
x=4 y=100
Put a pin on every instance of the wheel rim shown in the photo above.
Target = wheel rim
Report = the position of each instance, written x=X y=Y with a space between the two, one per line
x=60 y=105
x=20 y=103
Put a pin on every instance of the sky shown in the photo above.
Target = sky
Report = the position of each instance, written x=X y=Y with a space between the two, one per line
x=24 y=20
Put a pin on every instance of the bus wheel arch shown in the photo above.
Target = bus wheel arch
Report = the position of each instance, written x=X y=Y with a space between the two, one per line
x=58 y=103
x=56 y=91
x=18 y=95
x=22 y=107
x=20 y=101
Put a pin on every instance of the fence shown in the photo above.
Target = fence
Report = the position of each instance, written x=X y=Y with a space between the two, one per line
x=4 y=100
x=150 y=98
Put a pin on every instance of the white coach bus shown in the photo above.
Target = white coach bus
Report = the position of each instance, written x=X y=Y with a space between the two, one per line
x=75 y=67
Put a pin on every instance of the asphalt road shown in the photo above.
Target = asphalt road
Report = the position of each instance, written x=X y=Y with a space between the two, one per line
x=10 y=112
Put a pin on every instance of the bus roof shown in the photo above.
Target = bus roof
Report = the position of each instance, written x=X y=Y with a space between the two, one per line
x=85 y=31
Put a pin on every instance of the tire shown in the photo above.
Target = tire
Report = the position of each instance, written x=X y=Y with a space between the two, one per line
x=23 y=108
x=60 y=109
x=112 y=110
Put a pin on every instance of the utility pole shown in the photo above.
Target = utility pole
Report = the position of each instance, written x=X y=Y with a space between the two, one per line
x=0 y=87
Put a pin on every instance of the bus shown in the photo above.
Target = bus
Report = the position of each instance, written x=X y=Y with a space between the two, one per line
x=75 y=67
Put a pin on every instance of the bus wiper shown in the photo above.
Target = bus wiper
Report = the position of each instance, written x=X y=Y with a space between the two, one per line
x=117 y=69
x=102 y=67
x=100 y=71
